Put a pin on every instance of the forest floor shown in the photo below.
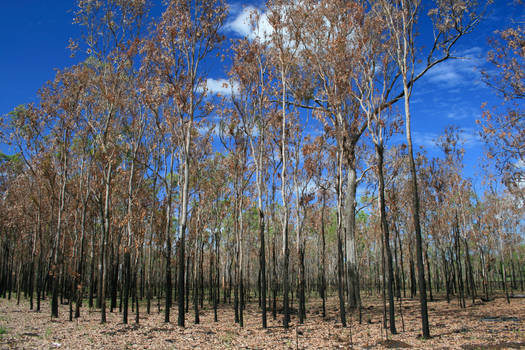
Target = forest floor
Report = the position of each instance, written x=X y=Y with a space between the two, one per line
x=491 y=325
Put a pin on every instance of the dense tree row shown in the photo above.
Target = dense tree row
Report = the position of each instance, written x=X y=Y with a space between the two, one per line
x=132 y=181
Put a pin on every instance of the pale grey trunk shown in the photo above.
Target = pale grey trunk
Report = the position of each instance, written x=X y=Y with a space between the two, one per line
x=354 y=297
x=416 y=220
x=105 y=235
x=184 y=218
x=54 y=301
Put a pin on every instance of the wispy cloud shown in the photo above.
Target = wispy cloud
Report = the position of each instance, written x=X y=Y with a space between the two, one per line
x=458 y=72
x=212 y=122
x=469 y=137
x=425 y=139
x=460 y=113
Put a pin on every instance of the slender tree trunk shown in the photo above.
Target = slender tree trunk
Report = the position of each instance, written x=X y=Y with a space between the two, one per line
x=114 y=264
x=470 y=273
x=458 y=264
x=167 y=286
x=217 y=288
x=354 y=292
x=135 y=291
x=323 y=255
x=386 y=237
x=187 y=288
x=383 y=284
x=92 y=272
x=397 y=277
x=262 y=267
x=403 y=278
x=446 y=275
x=105 y=237
x=413 y=287
x=340 y=265
x=274 y=278
x=196 y=279
x=504 y=279
x=236 y=287
x=80 y=269
x=284 y=195
x=56 y=248
x=126 y=274
x=415 y=216
x=429 y=275
x=183 y=221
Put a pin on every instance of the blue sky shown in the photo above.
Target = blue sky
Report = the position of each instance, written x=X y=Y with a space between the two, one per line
x=34 y=35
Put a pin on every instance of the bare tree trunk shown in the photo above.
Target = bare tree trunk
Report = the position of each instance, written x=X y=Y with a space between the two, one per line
x=458 y=264
x=504 y=280
x=196 y=276
x=386 y=237
x=286 y=249
x=56 y=248
x=383 y=284
x=470 y=273
x=354 y=293
x=415 y=216
x=262 y=267
x=183 y=219
x=403 y=278
x=105 y=237
x=274 y=278
x=80 y=269
x=340 y=265
x=167 y=233
x=217 y=288
x=323 y=255
x=429 y=274
x=92 y=271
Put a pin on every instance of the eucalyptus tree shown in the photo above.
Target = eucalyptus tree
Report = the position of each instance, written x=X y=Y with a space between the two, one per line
x=374 y=76
x=459 y=199
x=24 y=132
x=216 y=194
x=283 y=55
x=303 y=196
x=235 y=141
x=319 y=164
x=15 y=182
x=183 y=39
x=250 y=97
x=62 y=103
x=82 y=150
x=165 y=138
x=450 y=20
x=502 y=127
x=325 y=31
x=135 y=117
x=110 y=33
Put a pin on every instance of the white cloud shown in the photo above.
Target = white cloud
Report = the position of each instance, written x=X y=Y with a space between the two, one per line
x=221 y=86
x=519 y=167
x=458 y=72
x=468 y=137
x=213 y=121
x=242 y=23
x=252 y=22
x=460 y=113
x=425 y=139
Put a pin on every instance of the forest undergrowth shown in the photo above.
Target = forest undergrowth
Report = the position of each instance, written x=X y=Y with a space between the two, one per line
x=490 y=325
